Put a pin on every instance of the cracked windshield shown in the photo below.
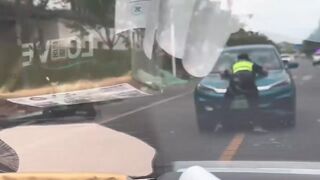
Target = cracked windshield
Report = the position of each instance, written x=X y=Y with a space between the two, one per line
x=160 y=89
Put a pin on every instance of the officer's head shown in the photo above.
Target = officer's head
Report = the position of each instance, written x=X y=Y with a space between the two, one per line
x=243 y=56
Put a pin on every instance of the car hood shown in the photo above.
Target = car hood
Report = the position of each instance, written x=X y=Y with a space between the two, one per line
x=264 y=83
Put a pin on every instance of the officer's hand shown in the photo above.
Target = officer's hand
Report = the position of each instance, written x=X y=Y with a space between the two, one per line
x=265 y=73
x=225 y=74
x=222 y=74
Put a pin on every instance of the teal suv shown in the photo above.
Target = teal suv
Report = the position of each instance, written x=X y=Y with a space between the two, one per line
x=277 y=89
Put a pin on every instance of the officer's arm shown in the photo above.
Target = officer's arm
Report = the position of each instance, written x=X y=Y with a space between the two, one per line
x=226 y=74
x=259 y=70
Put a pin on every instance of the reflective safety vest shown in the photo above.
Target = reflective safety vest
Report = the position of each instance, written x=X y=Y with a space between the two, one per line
x=242 y=65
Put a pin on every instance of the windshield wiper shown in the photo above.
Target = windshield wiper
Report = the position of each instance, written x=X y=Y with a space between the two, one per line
x=51 y=113
x=86 y=110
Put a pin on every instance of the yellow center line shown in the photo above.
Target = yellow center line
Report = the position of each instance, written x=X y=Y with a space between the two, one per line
x=232 y=149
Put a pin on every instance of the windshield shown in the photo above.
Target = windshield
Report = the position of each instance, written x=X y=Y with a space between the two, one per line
x=267 y=58
x=138 y=87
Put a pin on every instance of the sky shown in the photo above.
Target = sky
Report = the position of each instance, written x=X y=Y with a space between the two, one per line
x=281 y=20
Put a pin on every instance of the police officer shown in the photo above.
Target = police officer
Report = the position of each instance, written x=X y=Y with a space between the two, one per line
x=242 y=82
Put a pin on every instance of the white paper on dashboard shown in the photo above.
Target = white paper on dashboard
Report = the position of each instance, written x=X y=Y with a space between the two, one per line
x=120 y=91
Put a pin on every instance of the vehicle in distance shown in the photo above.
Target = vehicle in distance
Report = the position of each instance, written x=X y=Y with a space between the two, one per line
x=287 y=57
x=316 y=57
x=277 y=89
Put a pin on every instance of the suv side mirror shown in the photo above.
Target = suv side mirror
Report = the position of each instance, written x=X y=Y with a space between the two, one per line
x=285 y=62
x=292 y=65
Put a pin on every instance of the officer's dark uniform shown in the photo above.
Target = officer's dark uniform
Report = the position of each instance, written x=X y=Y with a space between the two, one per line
x=242 y=82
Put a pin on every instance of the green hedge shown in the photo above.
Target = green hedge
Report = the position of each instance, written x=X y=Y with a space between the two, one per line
x=104 y=64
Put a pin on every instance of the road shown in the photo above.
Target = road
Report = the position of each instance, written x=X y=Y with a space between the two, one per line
x=167 y=122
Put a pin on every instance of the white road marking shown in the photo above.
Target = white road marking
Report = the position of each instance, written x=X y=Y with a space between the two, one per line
x=27 y=123
x=258 y=167
x=263 y=171
x=37 y=113
x=306 y=78
x=143 y=108
x=218 y=127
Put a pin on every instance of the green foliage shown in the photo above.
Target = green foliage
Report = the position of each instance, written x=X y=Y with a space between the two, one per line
x=312 y=43
x=243 y=37
x=101 y=14
x=103 y=11
x=103 y=65
x=286 y=47
x=309 y=47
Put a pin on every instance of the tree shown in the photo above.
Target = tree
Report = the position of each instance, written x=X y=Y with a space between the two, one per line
x=286 y=47
x=309 y=47
x=97 y=15
x=243 y=37
x=24 y=34
x=312 y=43
x=16 y=69
x=103 y=13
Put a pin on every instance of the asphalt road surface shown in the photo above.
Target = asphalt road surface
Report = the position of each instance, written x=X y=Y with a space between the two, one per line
x=168 y=123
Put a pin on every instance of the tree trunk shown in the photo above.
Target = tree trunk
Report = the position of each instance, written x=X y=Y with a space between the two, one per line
x=109 y=39
x=15 y=74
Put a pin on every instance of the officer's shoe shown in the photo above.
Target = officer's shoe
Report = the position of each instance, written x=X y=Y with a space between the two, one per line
x=259 y=129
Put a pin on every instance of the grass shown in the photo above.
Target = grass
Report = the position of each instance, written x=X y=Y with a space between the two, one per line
x=103 y=66
x=73 y=86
